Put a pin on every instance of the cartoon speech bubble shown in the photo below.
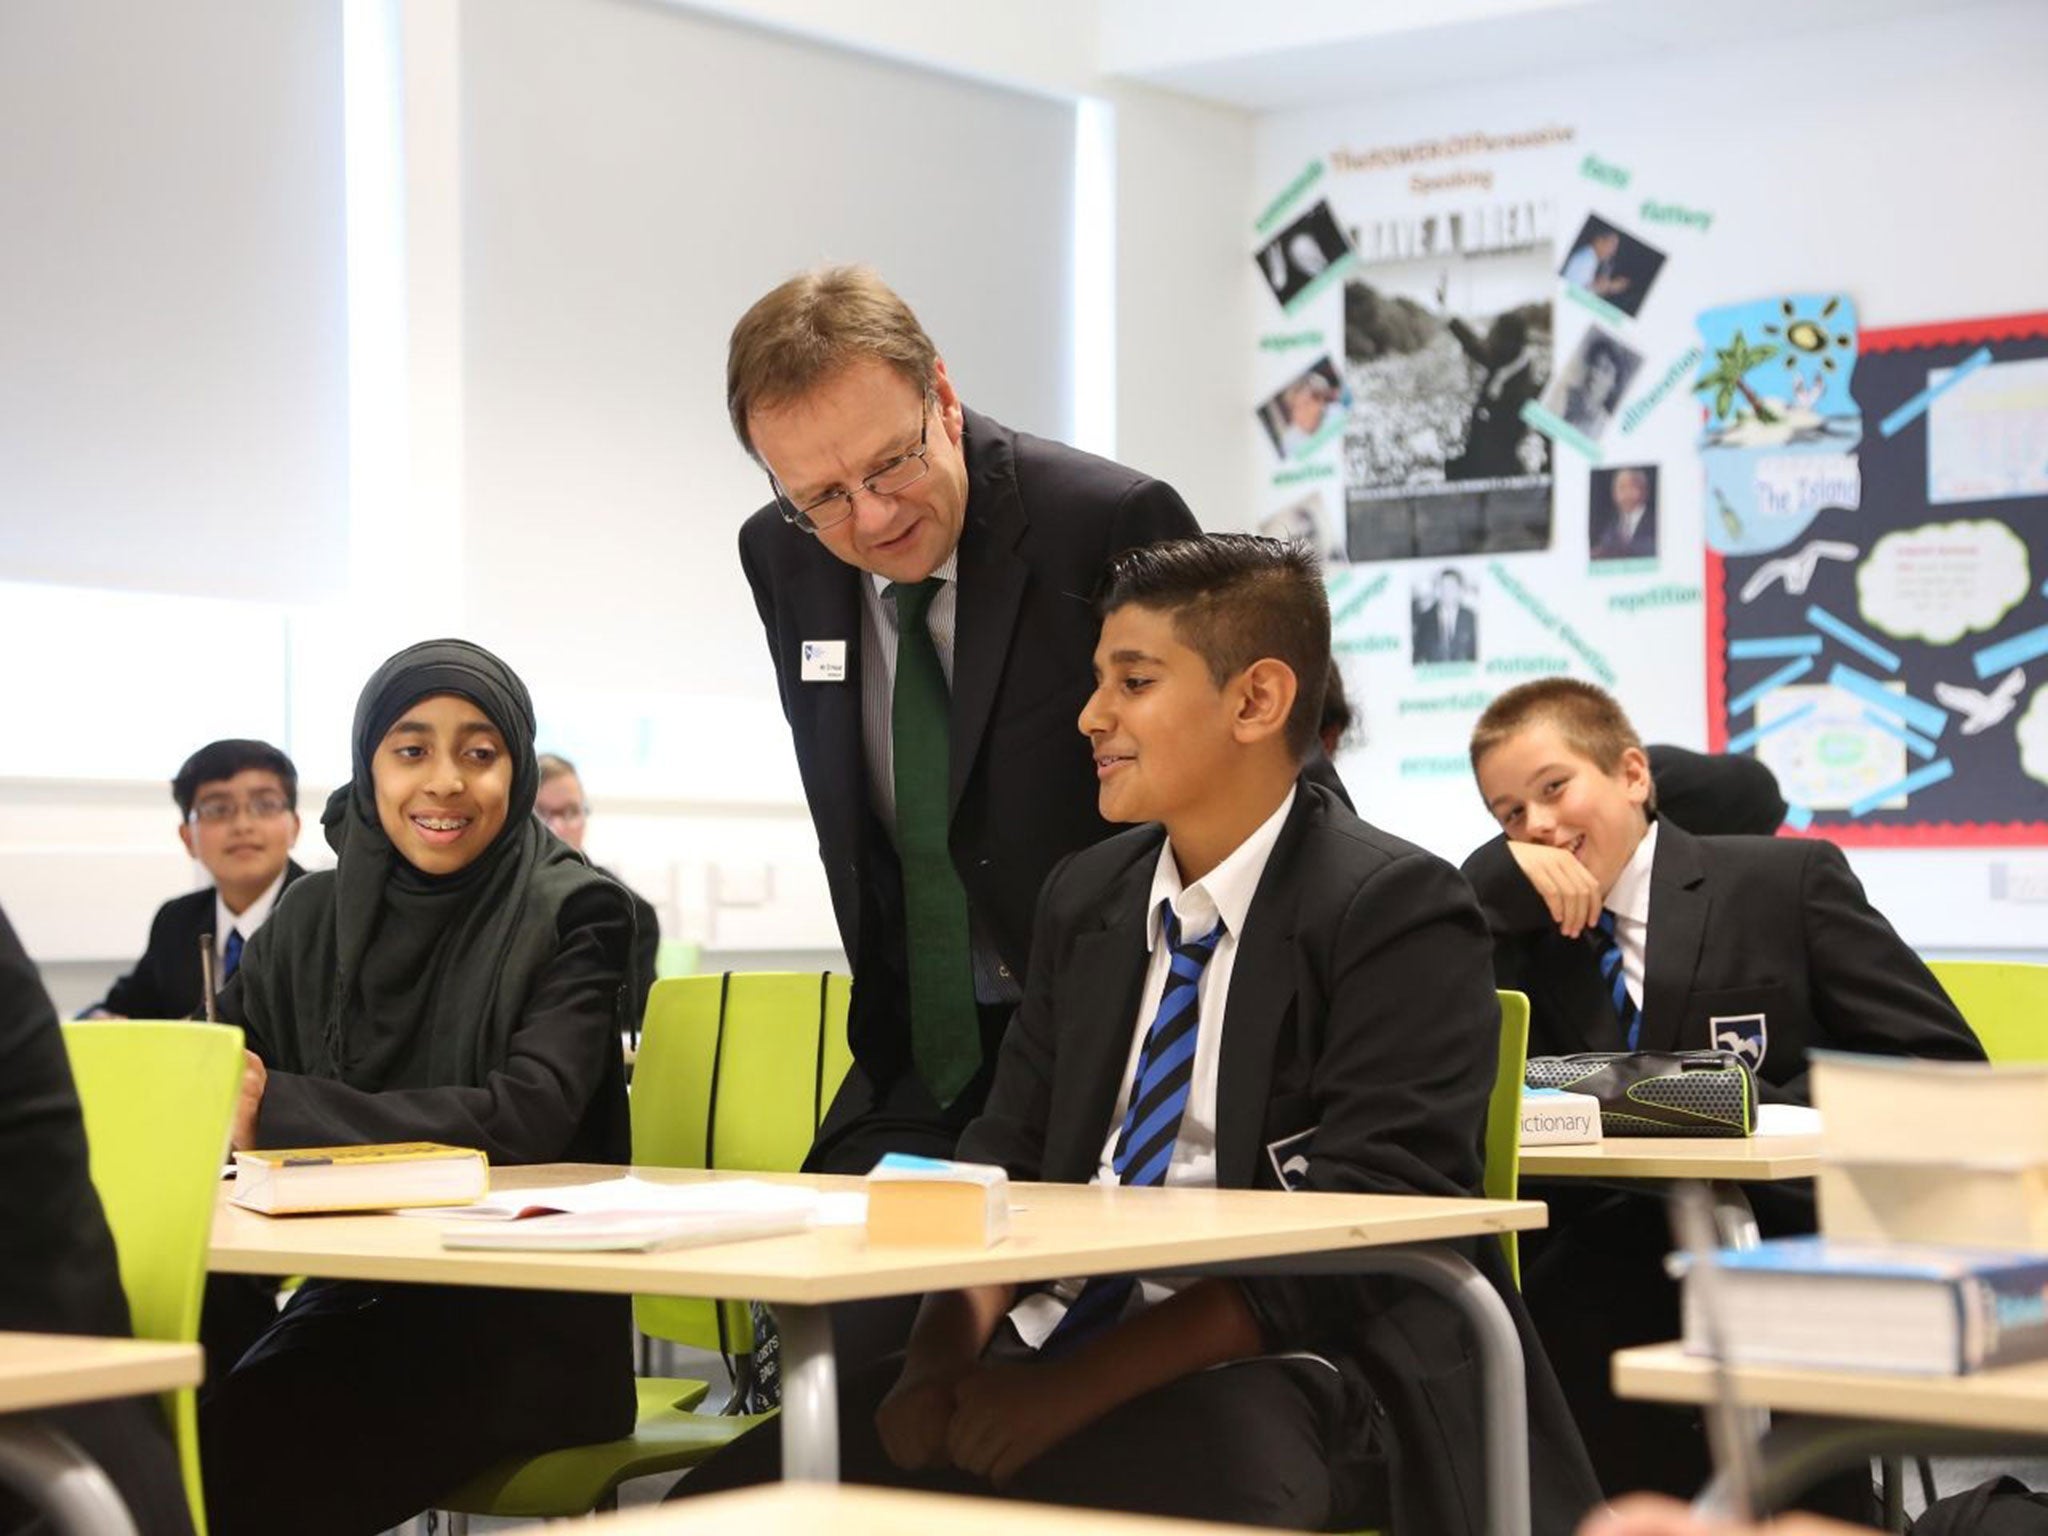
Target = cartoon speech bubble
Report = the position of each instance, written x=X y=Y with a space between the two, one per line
x=2032 y=732
x=1941 y=581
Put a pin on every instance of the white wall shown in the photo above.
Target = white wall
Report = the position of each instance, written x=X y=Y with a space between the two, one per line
x=707 y=817
x=1885 y=160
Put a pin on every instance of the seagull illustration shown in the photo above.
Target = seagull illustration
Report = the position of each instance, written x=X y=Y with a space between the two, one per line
x=1796 y=570
x=1982 y=710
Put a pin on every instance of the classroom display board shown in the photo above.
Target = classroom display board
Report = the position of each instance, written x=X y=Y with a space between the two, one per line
x=1878 y=609
x=1547 y=405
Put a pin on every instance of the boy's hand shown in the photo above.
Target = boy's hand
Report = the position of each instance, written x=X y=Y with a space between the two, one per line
x=242 y=1130
x=915 y=1417
x=1006 y=1416
x=1567 y=887
x=1651 y=1514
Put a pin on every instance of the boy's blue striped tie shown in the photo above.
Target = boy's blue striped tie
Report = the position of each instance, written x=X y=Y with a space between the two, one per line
x=1159 y=1101
x=1608 y=949
x=231 y=956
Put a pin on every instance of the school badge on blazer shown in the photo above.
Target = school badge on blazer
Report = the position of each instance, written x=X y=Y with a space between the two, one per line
x=1744 y=1034
x=1289 y=1158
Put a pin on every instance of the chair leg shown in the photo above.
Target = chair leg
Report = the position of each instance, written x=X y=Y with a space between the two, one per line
x=1893 y=1481
x=458 y=1523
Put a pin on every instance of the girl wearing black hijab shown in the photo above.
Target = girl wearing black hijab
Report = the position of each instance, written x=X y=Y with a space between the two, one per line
x=459 y=976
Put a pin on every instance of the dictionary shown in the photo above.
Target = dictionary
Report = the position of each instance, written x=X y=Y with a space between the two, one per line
x=1552 y=1117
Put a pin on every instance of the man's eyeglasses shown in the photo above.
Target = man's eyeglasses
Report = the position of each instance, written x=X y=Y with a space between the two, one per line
x=892 y=479
x=259 y=807
x=567 y=816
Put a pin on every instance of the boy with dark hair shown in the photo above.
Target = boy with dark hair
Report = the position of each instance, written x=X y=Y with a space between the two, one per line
x=238 y=816
x=1629 y=933
x=1253 y=990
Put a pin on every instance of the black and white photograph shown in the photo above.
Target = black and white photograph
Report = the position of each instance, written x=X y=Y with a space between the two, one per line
x=1302 y=252
x=1306 y=411
x=1592 y=382
x=1611 y=264
x=1444 y=618
x=1622 y=522
x=1441 y=353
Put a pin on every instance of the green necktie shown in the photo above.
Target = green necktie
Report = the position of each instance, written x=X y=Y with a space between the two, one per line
x=945 y=1028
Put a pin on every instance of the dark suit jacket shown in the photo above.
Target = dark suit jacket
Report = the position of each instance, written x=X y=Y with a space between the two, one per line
x=1042 y=522
x=1608 y=544
x=1361 y=1024
x=57 y=1267
x=167 y=982
x=1738 y=926
x=1429 y=636
x=1714 y=794
x=646 y=947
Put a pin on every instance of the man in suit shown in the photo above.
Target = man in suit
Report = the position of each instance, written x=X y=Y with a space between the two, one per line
x=1628 y=528
x=935 y=753
x=1225 y=997
x=57 y=1265
x=1446 y=630
x=559 y=802
x=1628 y=933
x=238 y=817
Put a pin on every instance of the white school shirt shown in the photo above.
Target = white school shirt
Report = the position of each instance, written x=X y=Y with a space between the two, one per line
x=1225 y=892
x=1629 y=901
x=248 y=921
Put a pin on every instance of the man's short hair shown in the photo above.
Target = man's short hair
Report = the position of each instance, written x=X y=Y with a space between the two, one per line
x=554 y=766
x=805 y=330
x=1237 y=598
x=1588 y=718
x=218 y=761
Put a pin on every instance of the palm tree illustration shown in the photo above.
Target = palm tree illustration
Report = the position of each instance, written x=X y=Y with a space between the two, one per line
x=1726 y=378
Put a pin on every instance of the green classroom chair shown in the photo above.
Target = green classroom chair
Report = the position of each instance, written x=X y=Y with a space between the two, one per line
x=734 y=1071
x=157 y=1099
x=1504 y=1116
x=2004 y=1001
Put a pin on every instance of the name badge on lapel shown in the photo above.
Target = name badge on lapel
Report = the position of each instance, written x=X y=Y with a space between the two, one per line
x=824 y=661
x=1745 y=1034
x=1289 y=1157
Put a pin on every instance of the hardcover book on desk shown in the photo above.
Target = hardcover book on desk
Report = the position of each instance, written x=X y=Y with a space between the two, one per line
x=1952 y=1152
x=1810 y=1301
x=383 y=1177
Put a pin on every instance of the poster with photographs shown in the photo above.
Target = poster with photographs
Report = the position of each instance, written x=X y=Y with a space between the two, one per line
x=1307 y=521
x=1447 y=331
x=1306 y=256
x=1305 y=412
x=1612 y=265
x=1590 y=385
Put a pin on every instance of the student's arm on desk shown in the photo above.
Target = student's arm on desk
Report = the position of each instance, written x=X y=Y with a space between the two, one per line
x=1870 y=991
x=525 y=1111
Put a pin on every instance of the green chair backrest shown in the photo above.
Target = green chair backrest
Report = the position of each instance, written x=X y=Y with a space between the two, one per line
x=1504 y=1115
x=2004 y=1001
x=157 y=1099
x=735 y=1071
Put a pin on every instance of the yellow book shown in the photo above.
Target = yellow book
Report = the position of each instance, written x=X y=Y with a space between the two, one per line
x=386 y=1176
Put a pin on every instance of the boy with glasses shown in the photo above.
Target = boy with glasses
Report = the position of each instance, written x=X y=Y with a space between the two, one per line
x=238 y=807
x=561 y=806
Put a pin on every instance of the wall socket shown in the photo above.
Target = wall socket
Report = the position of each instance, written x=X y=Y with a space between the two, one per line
x=2019 y=882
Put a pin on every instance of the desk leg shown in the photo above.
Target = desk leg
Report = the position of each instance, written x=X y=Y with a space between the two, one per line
x=1799 y=1452
x=1734 y=1220
x=57 y=1477
x=810 y=1395
x=1502 y=1378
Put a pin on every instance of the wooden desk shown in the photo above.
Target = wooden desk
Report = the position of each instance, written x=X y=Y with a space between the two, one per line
x=1854 y=1414
x=2015 y=1398
x=44 y=1370
x=1749 y=1159
x=1056 y=1231
x=808 y=1509
x=49 y=1370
